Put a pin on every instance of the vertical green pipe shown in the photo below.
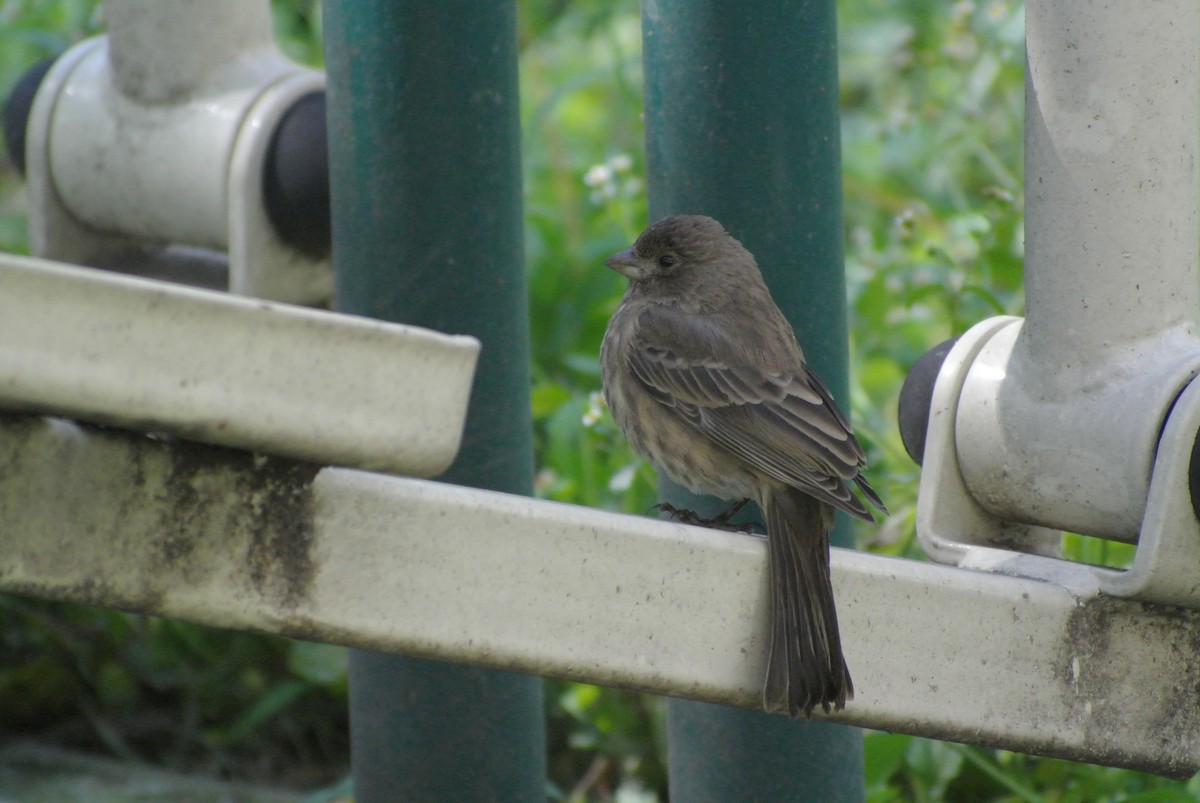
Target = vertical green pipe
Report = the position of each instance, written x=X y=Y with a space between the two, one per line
x=742 y=125
x=426 y=188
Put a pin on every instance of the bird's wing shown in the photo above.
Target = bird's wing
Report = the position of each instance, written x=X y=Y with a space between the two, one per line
x=784 y=424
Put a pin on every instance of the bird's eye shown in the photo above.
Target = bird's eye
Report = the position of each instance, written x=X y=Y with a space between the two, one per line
x=666 y=260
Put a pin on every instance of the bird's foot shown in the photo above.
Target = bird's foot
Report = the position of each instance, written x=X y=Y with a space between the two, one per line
x=719 y=522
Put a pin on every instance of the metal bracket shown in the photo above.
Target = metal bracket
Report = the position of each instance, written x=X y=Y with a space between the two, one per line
x=1083 y=416
x=954 y=528
x=135 y=143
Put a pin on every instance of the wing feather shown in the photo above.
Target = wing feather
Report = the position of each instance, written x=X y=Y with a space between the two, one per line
x=783 y=424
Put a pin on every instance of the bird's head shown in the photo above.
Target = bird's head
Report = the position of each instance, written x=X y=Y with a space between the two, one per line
x=674 y=246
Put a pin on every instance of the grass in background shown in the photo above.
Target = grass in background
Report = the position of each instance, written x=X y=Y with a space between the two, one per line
x=932 y=104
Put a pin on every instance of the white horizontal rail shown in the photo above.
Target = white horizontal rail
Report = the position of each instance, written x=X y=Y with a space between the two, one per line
x=233 y=371
x=224 y=538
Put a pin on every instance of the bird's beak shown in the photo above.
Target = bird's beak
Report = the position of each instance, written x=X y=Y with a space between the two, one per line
x=626 y=263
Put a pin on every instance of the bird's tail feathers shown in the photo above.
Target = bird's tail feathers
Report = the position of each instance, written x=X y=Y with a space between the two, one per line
x=870 y=494
x=806 y=668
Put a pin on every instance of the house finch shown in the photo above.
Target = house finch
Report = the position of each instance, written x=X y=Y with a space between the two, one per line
x=706 y=380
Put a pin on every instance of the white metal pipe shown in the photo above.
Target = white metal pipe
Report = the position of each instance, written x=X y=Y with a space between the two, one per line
x=1112 y=124
x=1059 y=418
x=162 y=52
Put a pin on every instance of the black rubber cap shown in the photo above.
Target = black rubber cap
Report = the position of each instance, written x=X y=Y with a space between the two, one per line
x=916 y=397
x=296 y=177
x=17 y=106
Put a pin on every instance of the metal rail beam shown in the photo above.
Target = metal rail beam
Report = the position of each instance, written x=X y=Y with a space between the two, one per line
x=239 y=372
x=226 y=538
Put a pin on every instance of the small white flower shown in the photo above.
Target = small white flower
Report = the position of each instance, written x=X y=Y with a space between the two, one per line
x=595 y=409
x=598 y=175
x=621 y=162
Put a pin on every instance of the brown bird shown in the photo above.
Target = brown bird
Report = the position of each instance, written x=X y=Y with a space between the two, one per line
x=706 y=380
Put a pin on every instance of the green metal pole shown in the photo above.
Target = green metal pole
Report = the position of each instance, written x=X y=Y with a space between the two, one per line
x=742 y=125
x=426 y=189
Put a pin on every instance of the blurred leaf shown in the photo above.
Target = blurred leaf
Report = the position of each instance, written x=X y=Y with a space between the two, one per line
x=269 y=705
x=933 y=766
x=319 y=664
x=883 y=755
x=548 y=397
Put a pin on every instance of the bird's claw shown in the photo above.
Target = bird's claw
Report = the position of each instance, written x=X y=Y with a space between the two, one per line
x=718 y=522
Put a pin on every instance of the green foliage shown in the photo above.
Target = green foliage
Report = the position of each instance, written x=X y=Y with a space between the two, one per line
x=583 y=161
x=172 y=693
x=932 y=108
x=932 y=102
x=605 y=742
